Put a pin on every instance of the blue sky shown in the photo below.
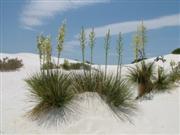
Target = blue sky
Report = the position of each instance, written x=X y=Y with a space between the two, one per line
x=22 y=21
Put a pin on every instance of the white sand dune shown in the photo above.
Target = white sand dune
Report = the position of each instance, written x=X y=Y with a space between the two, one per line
x=157 y=116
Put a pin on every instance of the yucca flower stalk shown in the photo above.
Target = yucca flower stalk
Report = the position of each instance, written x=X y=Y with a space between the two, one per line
x=136 y=43
x=106 y=47
x=119 y=49
x=48 y=49
x=40 y=40
x=82 y=39
x=91 y=44
x=60 y=40
x=143 y=38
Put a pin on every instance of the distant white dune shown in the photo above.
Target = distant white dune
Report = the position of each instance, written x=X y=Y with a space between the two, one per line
x=157 y=116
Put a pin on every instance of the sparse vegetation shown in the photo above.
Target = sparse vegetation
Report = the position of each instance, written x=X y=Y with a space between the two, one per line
x=55 y=89
x=10 y=64
x=176 y=51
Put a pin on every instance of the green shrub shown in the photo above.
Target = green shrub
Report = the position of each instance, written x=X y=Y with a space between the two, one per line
x=51 y=65
x=74 y=66
x=7 y=64
x=142 y=75
x=162 y=81
x=118 y=96
x=91 y=82
x=66 y=65
x=114 y=92
x=176 y=51
x=175 y=72
x=52 y=91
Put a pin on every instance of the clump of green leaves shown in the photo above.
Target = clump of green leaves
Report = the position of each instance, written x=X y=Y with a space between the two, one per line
x=175 y=72
x=162 y=81
x=113 y=91
x=142 y=74
x=176 y=51
x=51 y=91
x=7 y=64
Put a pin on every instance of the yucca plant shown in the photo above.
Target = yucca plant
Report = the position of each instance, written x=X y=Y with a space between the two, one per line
x=142 y=74
x=88 y=82
x=113 y=91
x=51 y=91
x=117 y=95
x=162 y=81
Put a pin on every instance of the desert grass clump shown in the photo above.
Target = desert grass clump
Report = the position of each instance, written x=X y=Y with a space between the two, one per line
x=162 y=81
x=51 y=91
x=117 y=95
x=174 y=75
x=113 y=91
x=142 y=74
x=7 y=64
x=88 y=81
x=74 y=66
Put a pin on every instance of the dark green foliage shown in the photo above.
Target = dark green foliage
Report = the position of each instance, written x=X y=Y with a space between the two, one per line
x=142 y=75
x=91 y=82
x=50 y=65
x=162 y=82
x=51 y=91
x=66 y=65
x=175 y=72
x=113 y=91
x=7 y=64
x=176 y=51
x=75 y=66
x=117 y=95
